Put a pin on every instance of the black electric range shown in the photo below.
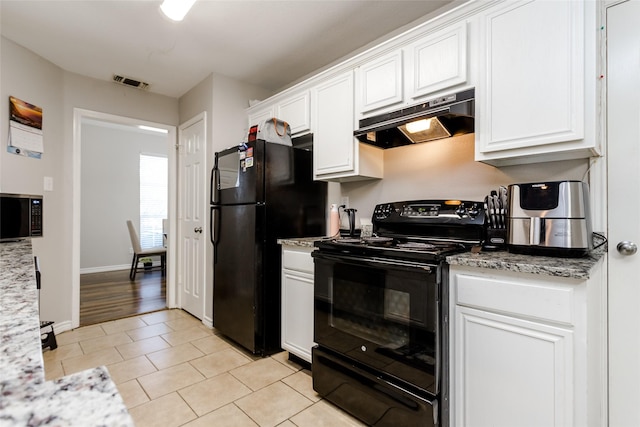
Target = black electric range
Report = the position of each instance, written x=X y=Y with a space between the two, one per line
x=380 y=312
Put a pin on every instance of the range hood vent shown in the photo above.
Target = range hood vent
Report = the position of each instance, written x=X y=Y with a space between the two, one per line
x=127 y=81
x=442 y=117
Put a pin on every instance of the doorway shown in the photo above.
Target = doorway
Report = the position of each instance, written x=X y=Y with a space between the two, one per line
x=83 y=116
x=192 y=213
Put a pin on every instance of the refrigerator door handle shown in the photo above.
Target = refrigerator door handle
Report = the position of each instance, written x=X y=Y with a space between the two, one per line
x=215 y=184
x=213 y=230
x=214 y=224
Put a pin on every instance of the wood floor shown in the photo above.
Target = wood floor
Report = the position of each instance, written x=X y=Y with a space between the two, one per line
x=111 y=295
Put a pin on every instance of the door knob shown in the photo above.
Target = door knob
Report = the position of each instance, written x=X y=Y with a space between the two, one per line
x=627 y=248
x=198 y=230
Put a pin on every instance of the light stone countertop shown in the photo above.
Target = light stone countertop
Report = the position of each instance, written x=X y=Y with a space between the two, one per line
x=576 y=268
x=305 y=242
x=87 y=398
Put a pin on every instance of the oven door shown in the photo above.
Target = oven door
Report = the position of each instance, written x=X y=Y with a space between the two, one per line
x=381 y=314
x=368 y=397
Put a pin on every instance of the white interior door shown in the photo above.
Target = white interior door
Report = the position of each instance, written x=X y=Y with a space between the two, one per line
x=623 y=141
x=192 y=210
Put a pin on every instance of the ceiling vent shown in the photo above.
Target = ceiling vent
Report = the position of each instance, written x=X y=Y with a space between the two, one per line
x=127 y=81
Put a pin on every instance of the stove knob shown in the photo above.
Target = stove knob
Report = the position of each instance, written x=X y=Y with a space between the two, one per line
x=474 y=211
x=461 y=211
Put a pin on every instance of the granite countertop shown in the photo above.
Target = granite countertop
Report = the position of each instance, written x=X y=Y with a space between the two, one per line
x=575 y=268
x=305 y=242
x=87 y=398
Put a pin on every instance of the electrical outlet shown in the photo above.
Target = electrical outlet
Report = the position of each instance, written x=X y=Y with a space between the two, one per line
x=344 y=200
x=130 y=251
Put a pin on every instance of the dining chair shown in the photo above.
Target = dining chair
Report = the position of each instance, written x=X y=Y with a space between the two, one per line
x=139 y=253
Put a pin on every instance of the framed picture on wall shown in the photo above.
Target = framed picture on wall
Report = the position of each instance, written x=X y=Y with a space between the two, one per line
x=25 y=129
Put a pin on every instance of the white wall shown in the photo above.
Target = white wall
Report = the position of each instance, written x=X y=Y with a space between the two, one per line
x=110 y=193
x=446 y=169
x=33 y=79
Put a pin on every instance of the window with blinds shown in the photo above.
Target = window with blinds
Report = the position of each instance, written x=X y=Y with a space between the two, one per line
x=153 y=199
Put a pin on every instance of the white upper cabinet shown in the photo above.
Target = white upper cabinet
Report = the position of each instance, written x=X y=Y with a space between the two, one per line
x=436 y=61
x=295 y=110
x=431 y=63
x=379 y=82
x=334 y=148
x=259 y=115
x=532 y=100
x=337 y=154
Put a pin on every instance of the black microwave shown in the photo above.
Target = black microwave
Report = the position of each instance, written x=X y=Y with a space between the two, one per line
x=20 y=216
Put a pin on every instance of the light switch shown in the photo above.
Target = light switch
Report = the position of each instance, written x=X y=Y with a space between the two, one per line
x=48 y=183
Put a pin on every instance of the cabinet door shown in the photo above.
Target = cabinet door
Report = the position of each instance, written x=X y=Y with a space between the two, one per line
x=259 y=116
x=295 y=110
x=379 y=82
x=297 y=313
x=334 y=146
x=437 y=61
x=531 y=89
x=511 y=372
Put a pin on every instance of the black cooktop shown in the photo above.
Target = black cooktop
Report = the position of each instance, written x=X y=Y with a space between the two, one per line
x=419 y=230
x=393 y=248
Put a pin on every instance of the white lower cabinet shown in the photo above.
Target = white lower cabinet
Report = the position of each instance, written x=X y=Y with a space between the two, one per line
x=526 y=350
x=297 y=301
x=513 y=372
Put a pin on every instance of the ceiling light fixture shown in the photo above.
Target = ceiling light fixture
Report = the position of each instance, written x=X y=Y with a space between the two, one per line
x=176 y=9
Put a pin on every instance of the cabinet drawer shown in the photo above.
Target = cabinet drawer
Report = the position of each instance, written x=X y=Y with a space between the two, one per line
x=299 y=260
x=526 y=299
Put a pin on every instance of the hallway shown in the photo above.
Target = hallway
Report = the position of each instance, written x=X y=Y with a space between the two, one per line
x=111 y=295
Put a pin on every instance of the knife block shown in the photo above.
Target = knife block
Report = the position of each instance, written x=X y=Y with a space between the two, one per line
x=495 y=239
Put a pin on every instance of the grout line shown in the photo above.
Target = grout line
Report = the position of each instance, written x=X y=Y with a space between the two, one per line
x=248 y=416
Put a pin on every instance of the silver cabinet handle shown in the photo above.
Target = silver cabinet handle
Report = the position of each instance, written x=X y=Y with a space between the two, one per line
x=627 y=248
x=198 y=230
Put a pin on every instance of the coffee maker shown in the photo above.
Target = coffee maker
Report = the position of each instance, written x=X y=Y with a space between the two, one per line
x=549 y=218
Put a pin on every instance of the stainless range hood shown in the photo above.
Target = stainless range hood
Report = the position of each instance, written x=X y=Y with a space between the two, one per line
x=442 y=117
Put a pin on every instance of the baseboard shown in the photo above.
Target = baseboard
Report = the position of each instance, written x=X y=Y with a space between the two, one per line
x=105 y=268
x=207 y=321
x=60 y=327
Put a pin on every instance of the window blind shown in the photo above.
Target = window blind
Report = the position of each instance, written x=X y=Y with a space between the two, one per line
x=153 y=199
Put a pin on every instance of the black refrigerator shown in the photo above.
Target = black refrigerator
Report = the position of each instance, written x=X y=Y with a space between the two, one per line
x=259 y=192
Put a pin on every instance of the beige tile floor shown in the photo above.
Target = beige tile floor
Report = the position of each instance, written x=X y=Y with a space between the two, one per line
x=172 y=370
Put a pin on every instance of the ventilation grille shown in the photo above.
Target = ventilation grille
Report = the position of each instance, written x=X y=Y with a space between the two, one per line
x=127 y=81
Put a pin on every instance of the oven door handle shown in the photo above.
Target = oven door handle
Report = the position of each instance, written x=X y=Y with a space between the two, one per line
x=373 y=261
